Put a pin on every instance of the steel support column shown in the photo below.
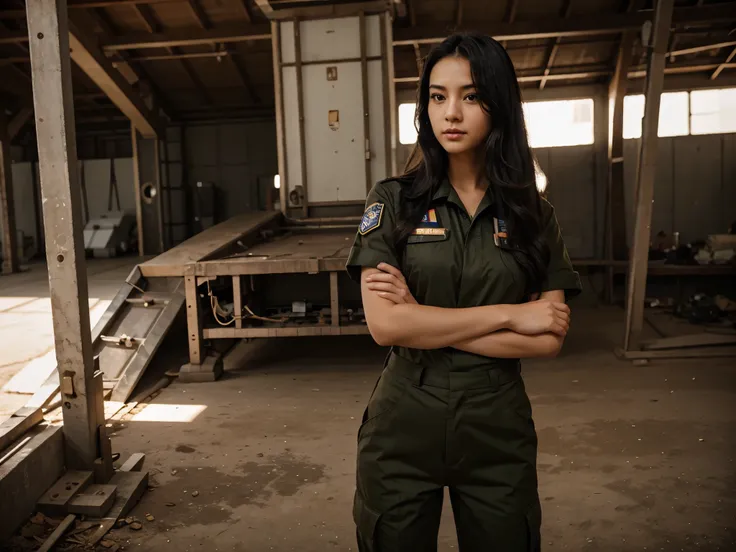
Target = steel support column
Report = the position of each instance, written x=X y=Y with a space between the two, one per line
x=84 y=427
x=7 y=206
x=646 y=172
x=616 y=248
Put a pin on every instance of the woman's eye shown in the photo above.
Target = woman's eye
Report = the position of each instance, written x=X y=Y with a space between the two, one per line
x=437 y=97
x=472 y=97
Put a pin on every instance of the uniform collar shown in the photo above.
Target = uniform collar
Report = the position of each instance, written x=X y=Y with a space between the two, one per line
x=445 y=192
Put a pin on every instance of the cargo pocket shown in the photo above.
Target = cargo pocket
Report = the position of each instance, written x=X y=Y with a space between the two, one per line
x=366 y=523
x=384 y=398
x=534 y=527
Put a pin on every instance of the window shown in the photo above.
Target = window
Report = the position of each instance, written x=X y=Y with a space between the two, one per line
x=713 y=111
x=407 y=129
x=559 y=123
x=673 y=115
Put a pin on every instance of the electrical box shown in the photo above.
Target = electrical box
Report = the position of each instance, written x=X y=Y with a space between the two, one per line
x=336 y=99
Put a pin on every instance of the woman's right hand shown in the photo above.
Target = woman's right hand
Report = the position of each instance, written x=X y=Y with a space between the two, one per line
x=539 y=317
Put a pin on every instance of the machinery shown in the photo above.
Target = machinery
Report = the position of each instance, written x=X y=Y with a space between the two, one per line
x=110 y=235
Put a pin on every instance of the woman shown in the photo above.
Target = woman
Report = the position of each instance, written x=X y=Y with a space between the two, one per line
x=463 y=272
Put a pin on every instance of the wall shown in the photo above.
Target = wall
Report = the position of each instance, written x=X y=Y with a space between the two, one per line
x=97 y=180
x=239 y=158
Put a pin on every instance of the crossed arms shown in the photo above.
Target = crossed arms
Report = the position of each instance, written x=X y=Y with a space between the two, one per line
x=534 y=329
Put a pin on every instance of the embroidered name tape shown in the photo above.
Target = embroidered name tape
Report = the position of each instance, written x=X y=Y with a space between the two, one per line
x=429 y=232
x=372 y=218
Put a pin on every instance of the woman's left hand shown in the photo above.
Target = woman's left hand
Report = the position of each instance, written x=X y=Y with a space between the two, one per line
x=390 y=284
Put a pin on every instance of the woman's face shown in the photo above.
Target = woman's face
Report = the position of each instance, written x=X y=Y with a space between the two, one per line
x=458 y=120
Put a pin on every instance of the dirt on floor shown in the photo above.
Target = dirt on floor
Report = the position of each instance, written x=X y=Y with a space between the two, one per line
x=630 y=457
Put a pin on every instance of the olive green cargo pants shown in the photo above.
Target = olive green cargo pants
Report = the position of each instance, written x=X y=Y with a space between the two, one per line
x=426 y=429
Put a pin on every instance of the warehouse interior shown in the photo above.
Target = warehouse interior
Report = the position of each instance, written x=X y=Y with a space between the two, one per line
x=185 y=360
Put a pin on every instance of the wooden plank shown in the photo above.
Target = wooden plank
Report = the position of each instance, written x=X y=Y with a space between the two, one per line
x=134 y=463
x=300 y=114
x=694 y=340
x=55 y=499
x=94 y=501
x=15 y=426
x=137 y=190
x=10 y=262
x=387 y=82
x=304 y=331
x=56 y=136
x=87 y=55
x=193 y=326
x=237 y=301
x=669 y=354
x=366 y=115
x=334 y=300
x=62 y=528
x=279 y=105
x=645 y=177
x=206 y=244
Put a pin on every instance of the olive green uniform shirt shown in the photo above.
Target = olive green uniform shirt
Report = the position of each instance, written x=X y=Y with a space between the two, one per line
x=452 y=261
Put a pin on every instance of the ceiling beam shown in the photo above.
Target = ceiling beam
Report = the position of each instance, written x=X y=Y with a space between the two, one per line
x=18 y=121
x=149 y=19
x=577 y=26
x=246 y=10
x=555 y=46
x=595 y=71
x=133 y=72
x=202 y=20
x=701 y=48
x=86 y=4
x=153 y=24
x=265 y=7
x=185 y=37
x=100 y=70
x=724 y=65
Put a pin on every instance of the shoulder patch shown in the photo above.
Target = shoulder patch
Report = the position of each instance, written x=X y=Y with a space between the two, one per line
x=372 y=218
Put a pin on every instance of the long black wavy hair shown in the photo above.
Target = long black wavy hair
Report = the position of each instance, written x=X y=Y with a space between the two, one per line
x=509 y=163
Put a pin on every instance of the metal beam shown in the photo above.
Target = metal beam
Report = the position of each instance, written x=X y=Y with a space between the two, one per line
x=578 y=26
x=81 y=384
x=7 y=203
x=554 y=48
x=198 y=13
x=185 y=37
x=99 y=68
x=265 y=7
x=153 y=25
x=723 y=65
x=646 y=173
x=134 y=72
x=86 y=4
x=146 y=15
x=458 y=13
x=615 y=245
x=18 y=121
x=246 y=10
x=243 y=75
x=701 y=48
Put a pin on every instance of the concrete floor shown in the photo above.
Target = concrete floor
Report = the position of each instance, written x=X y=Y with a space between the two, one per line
x=630 y=458
x=26 y=330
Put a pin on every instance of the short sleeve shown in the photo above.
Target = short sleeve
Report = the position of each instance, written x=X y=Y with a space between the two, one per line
x=560 y=272
x=374 y=240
